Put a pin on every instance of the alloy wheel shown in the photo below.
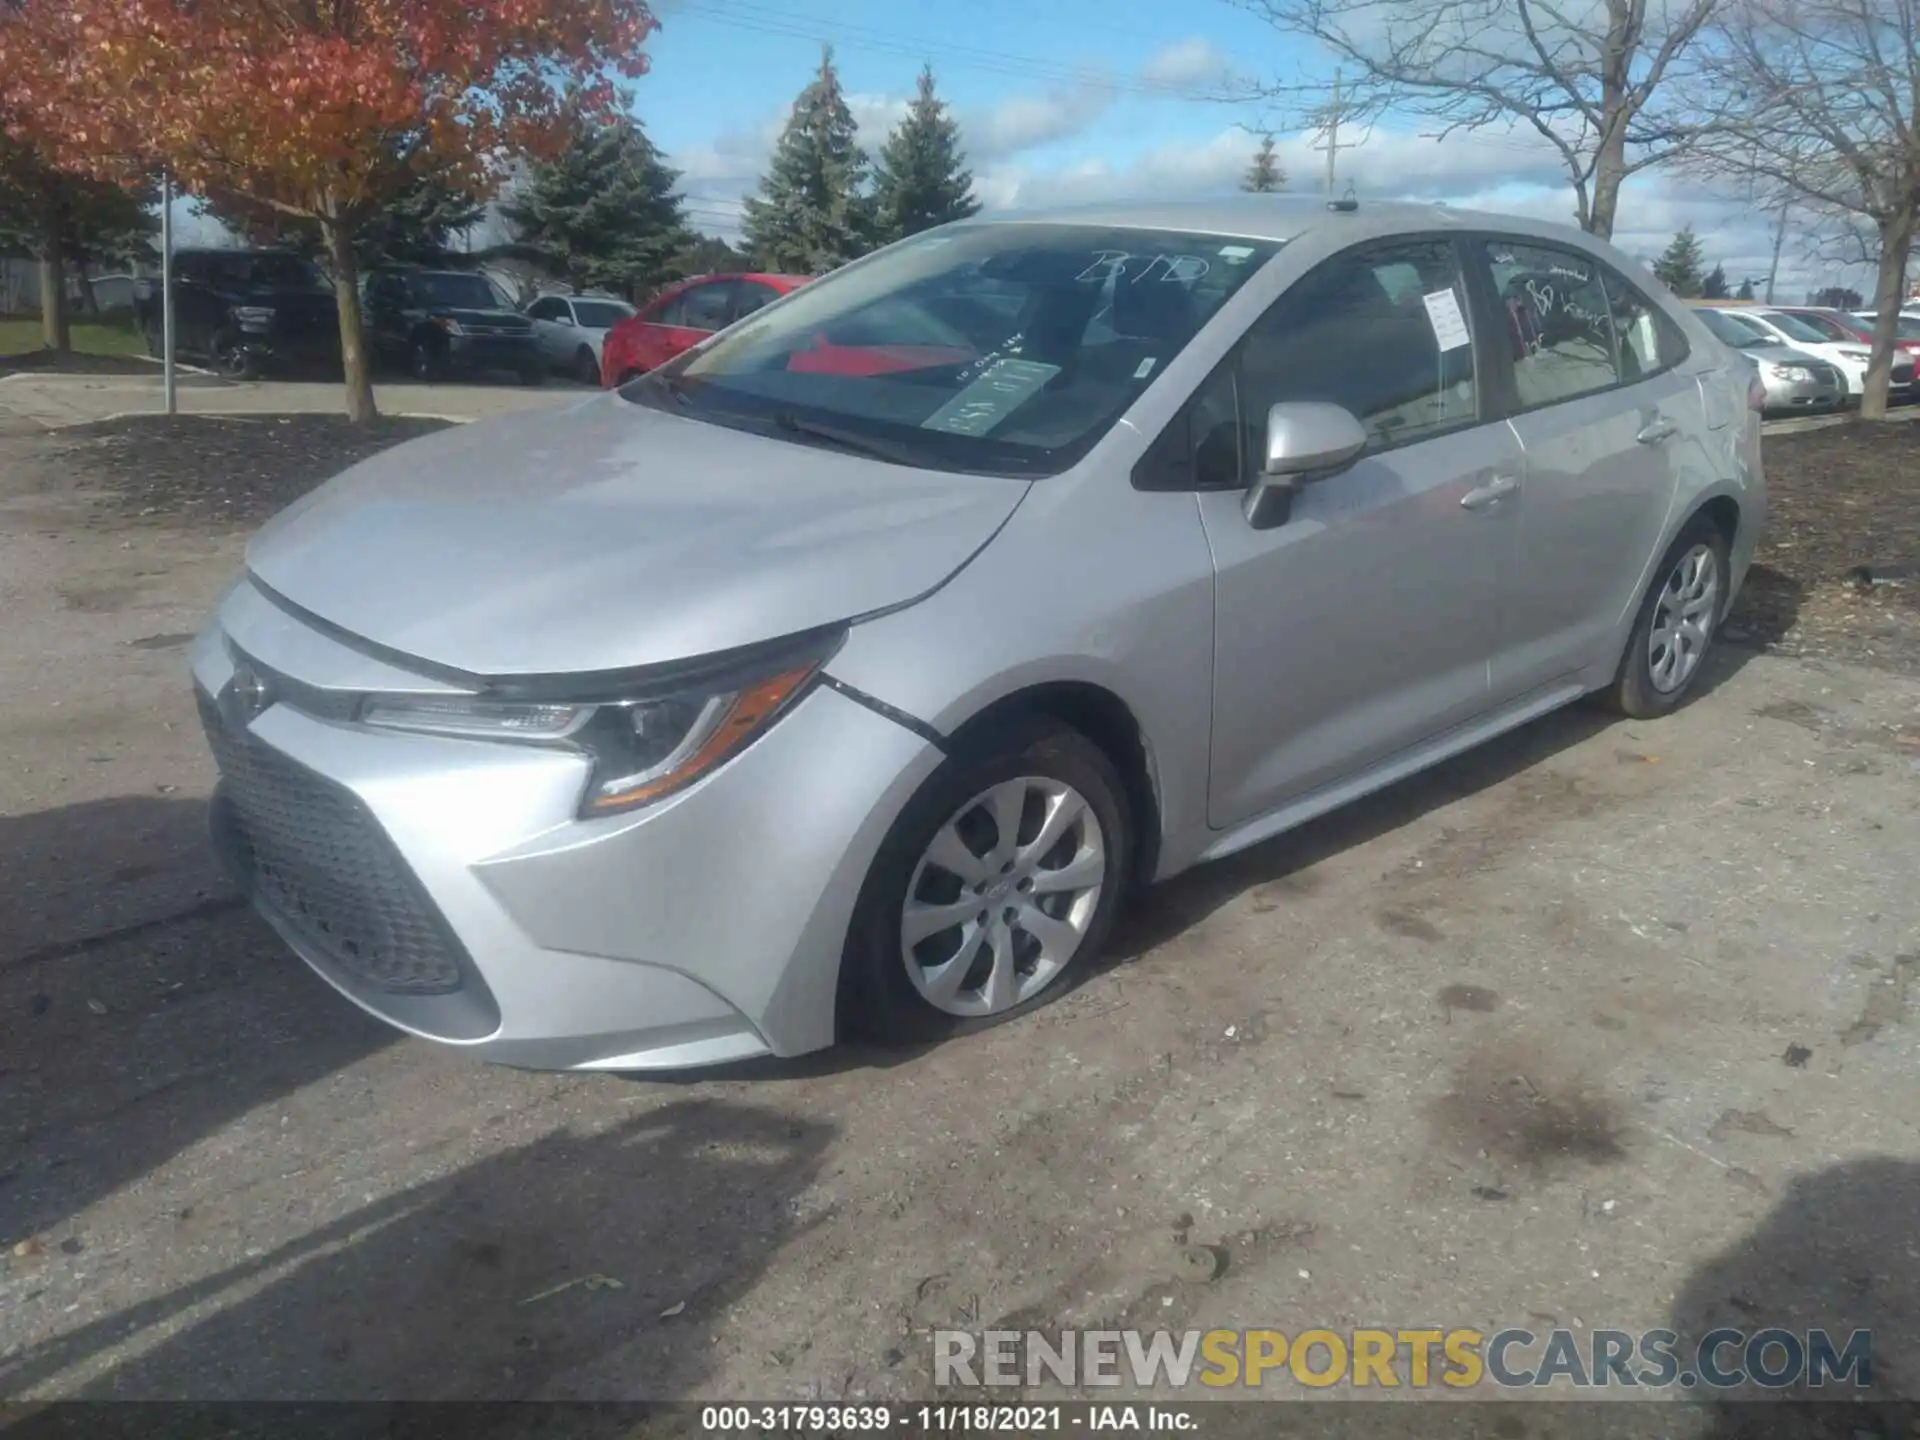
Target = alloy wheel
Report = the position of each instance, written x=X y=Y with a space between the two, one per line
x=1683 y=619
x=1001 y=899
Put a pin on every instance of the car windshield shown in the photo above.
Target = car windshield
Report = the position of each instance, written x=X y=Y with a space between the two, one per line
x=1734 y=331
x=600 y=314
x=1001 y=348
x=457 y=291
x=1795 y=328
x=1905 y=327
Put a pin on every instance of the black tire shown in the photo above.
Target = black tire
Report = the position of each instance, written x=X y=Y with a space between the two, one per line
x=879 y=1000
x=586 y=369
x=1634 y=692
x=427 y=360
x=232 y=359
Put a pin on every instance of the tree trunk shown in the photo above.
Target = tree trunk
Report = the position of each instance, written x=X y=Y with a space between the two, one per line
x=1889 y=290
x=1609 y=172
x=55 y=332
x=353 y=343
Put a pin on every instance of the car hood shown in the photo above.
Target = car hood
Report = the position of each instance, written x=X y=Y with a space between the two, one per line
x=605 y=535
x=1781 y=355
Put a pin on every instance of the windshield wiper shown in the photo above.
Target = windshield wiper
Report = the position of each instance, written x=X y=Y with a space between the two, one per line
x=847 y=440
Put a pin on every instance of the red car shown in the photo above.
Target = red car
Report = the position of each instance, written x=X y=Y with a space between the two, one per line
x=683 y=315
x=1848 y=329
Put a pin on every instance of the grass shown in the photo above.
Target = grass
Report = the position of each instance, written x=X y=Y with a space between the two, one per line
x=19 y=336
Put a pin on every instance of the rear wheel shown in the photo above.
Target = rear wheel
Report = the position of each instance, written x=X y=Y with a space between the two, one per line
x=996 y=888
x=1679 y=617
x=233 y=358
x=586 y=369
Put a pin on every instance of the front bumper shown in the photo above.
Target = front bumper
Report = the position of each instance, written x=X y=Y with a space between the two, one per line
x=1812 y=394
x=494 y=352
x=705 y=928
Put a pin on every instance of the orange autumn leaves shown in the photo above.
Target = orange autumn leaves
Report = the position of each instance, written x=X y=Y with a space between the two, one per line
x=311 y=106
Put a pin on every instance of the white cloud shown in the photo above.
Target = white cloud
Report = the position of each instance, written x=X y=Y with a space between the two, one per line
x=1193 y=62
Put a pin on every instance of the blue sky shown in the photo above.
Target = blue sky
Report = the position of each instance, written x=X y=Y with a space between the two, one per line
x=1064 y=100
x=1085 y=99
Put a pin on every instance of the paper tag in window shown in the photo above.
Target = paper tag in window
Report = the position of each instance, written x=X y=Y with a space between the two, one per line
x=1449 y=325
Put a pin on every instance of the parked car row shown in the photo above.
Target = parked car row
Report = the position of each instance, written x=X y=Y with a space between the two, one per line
x=247 y=312
x=1812 y=358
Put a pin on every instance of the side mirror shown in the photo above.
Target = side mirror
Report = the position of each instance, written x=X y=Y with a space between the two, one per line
x=1307 y=440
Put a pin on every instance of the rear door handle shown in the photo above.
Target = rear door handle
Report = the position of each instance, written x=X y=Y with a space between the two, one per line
x=1661 y=429
x=1490 y=493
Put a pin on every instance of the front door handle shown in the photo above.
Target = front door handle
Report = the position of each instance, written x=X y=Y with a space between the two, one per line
x=1490 y=493
x=1661 y=429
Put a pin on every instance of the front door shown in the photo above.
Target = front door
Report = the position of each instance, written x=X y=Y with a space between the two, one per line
x=684 y=321
x=1366 y=622
x=1605 y=420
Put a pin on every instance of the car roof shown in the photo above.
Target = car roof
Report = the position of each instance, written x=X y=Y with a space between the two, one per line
x=1282 y=218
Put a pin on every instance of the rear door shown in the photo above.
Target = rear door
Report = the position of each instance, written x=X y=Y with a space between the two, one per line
x=1364 y=624
x=685 y=319
x=1607 y=419
x=553 y=327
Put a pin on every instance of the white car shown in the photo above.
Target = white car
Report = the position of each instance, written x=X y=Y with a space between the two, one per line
x=1849 y=358
x=571 y=329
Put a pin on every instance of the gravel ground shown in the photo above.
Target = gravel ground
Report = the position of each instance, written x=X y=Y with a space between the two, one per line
x=1604 y=1024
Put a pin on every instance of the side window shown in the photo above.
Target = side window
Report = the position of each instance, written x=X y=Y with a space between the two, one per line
x=1647 y=340
x=753 y=296
x=1382 y=330
x=1200 y=448
x=551 y=308
x=670 y=311
x=1559 y=319
x=704 y=307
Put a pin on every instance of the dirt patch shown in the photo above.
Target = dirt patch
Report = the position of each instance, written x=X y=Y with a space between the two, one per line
x=1838 y=499
x=226 y=469
x=1514 y=1103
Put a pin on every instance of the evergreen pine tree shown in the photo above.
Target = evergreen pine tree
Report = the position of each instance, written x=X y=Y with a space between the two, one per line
x=1745 y=292
x=604 y=214
x=921 y=179
x=811 y=215
x=1679 y=268
x=1265 y=173
x=1714 y=286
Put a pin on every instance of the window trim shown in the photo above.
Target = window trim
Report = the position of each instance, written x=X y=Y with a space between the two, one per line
x=1485 y=361
x=1474 y=245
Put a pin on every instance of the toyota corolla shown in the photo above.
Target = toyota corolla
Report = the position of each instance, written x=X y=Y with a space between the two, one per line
x=849 y=671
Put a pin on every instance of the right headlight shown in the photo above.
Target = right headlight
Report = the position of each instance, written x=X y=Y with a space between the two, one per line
x=1789 y=372
x=642 y=748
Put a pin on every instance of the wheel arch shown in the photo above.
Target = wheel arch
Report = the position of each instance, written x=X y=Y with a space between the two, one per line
x=1110 y=723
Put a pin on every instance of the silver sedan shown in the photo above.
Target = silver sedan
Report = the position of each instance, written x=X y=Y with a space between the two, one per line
x=851 y=670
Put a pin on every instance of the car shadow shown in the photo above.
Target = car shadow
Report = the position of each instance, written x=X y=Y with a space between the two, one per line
x=576 y=1266
x=1766 y=610
x=144 y=1007
x=1165 y=911
x=1836 y=1253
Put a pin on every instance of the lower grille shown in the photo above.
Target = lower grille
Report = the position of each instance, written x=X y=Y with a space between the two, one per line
x=313 y=853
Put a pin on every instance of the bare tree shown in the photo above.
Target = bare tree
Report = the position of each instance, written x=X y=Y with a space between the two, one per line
x=1590 y=76
x=1816 y=99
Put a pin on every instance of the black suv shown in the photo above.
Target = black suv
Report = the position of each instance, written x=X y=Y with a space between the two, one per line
x=243 y=310
x=441 y=322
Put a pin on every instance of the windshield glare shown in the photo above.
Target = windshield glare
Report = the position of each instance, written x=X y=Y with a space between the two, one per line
x=456 y=291
x=1004 y=348
x=1733 y=330
x=1796 y=328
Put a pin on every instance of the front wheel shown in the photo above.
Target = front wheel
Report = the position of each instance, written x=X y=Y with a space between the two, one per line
x=1679 y=617
x=586 y=369
x=996 y=888
x=233 y=358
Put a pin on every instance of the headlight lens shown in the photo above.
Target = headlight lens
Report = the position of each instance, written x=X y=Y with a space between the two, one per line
x=1790 y=372
x=641 y=749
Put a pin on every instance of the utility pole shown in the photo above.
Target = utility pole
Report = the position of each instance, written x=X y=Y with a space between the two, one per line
x=166 y=291
x=1779 y=239
x=1332 y=144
